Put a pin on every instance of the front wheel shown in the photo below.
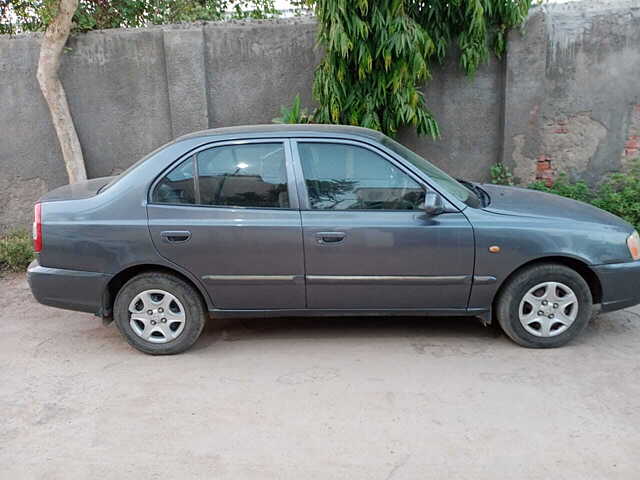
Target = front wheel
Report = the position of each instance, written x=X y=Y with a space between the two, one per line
x=159 y=314
x=544 y=306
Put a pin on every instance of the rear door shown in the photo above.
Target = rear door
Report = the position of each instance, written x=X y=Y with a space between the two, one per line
x=229 y=214
x=368 y=242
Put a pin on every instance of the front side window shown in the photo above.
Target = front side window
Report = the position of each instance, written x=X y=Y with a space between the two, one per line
x=348 y=177
x=450 y=184
x=248 y=175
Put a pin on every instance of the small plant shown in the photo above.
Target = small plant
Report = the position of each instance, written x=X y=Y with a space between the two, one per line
x=16 y=251
x=565 y=187
x=618 y=194
x=500 y=174
x=294 y=114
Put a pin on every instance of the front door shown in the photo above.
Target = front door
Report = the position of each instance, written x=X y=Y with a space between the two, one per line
x=368 y=243
x=229 y=215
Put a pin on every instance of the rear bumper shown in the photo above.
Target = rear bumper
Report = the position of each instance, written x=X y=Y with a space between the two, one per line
x=68 y=289
x=620 y=285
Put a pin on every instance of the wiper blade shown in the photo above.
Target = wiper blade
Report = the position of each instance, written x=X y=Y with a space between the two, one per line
x=485 y=196
x=482 y=195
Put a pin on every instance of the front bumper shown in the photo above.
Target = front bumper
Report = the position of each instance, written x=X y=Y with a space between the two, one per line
x=620 y=285
x=68 y=289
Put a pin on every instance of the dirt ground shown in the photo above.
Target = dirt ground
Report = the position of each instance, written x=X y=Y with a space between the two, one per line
x=314 y=399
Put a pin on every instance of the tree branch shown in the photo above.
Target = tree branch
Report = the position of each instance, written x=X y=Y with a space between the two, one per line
x=51 y=49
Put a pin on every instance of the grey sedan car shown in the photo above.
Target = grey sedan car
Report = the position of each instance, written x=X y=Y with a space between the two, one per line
x=322 y=220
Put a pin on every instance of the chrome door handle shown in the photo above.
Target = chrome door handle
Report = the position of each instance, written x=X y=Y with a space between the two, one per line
x=330 y=238
x=175 y=236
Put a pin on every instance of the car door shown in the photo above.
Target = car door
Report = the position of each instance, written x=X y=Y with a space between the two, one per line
x=368 y=243
x=229 y=214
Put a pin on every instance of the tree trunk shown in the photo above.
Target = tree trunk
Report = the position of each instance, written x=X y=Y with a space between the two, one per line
x=53 y=42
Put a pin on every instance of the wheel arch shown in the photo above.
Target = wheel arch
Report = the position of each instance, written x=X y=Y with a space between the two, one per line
x=580 y=266
x=117 y=282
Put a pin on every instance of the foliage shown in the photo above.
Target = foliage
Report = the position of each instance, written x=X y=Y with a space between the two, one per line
x=474 y=25
x=565 y=187
x=500 y=174
x=619 y=193
x=293 y=114
x=35 y=15
x=16 y=251
x=378 y=53
x=301 y=7
x=375 y=59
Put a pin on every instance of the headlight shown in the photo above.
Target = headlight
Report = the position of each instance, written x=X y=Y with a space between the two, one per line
x=633 y=242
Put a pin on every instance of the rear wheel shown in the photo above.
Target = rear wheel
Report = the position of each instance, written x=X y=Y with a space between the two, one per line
x=159 y=314
x=544 y=306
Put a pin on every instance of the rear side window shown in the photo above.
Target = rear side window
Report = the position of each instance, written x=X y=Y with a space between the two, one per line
x=249 y=175
x=177 y=186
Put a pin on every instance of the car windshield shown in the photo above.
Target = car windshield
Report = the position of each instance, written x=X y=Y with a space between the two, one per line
x=450 y=184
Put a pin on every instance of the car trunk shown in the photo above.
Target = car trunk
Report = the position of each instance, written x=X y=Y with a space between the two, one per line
x=76 y=191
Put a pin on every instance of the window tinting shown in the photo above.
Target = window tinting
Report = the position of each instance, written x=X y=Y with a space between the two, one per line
x=177 y=186
x=452 y=186
x=347 y=177
x=250 y=175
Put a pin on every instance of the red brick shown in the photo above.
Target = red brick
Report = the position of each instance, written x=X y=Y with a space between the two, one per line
x=632 y=147
x=544 y=171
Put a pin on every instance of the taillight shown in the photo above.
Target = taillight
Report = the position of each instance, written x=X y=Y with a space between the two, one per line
x=37 y=228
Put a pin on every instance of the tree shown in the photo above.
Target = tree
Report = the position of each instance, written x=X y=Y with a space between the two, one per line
x=59 y=17
x=34 y=15
x=51 y=49
x=378 y=55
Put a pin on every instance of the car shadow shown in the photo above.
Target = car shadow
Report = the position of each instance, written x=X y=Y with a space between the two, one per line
x=319 y=328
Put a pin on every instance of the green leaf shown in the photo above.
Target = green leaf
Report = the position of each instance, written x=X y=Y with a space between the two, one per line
x=378 y=55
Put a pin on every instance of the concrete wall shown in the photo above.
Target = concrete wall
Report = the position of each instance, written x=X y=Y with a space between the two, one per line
x=572 y=91
x=566 y=97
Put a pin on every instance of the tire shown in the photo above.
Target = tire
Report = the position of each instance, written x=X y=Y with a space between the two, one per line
x=528 y=321
x=177 y=314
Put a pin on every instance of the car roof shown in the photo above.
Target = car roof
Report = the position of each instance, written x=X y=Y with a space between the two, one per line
x=288 y=130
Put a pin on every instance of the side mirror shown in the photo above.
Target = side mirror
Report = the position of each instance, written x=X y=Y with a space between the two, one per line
x=433 y=204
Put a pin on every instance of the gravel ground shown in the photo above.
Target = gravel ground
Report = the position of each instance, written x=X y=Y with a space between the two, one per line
x=314 y=399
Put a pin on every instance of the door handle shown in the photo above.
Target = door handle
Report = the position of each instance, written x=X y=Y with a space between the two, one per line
x=330 y=238
x=175 y=236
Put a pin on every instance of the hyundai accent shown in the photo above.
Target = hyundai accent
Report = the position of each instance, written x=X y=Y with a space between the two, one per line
x=319 y=220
